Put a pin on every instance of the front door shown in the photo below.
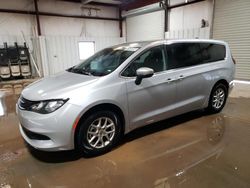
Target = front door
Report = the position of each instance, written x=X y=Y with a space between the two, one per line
x=154 y=98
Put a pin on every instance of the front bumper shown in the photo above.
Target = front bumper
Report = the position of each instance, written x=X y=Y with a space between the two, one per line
x=57 y=126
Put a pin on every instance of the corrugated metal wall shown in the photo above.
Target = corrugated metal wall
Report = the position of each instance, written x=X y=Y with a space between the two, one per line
x=63 y=52
x=148 y=26
x=199 y=33
x=232 y=24
x=54 y=54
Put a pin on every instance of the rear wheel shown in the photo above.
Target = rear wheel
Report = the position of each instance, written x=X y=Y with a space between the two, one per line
x=217 y=98
x=99 y=133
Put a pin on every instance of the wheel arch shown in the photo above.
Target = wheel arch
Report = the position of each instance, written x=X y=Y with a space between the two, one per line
x=221 y=81
x=98 y=107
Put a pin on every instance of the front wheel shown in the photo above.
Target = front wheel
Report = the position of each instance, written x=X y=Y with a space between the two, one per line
x=217 y=98
x=99 y=133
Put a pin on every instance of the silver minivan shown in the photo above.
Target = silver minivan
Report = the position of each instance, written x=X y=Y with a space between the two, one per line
x=91 y=105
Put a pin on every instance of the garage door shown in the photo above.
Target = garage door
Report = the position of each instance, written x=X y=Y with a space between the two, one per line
x=148 y=26
x=232 y=24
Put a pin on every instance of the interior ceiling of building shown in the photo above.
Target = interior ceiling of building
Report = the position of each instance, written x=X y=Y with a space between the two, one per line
x=123 y=4
x=99 y=1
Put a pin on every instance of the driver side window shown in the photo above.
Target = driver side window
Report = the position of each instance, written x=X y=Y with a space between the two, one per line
x=153 y=58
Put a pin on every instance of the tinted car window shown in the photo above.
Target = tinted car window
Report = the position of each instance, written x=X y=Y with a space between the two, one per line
x=183 y=55
x=212 y=52
x=153 y=58
x=190 y=54
x=104 y=62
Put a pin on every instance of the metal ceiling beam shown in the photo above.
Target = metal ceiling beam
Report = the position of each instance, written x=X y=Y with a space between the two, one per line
x=129 y=5
x=104 y=4
x=94 y=3
x=37 y=18
x=57 y=15
x=78 y=16
x=140 y=3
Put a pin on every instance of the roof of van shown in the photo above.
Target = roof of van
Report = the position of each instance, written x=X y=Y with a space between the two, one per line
x=139 y=44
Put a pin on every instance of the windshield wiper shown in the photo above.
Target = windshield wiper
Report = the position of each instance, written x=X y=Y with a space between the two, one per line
x=86 y=72
x=80 y=71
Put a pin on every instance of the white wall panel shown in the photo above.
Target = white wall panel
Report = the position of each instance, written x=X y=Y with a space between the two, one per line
x=190 y=16
x=195 y=33
x=54 y=54
x=14 y=24
x=17 y=4
x=75 y=8
x=58 y=47
x=176 y=19
x=176 y=2
x=148 y=26
x=55 y=26
x=62 y=52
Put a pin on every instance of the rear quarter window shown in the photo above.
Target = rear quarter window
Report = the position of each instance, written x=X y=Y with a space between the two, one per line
x=191 y=54
x=212 y=52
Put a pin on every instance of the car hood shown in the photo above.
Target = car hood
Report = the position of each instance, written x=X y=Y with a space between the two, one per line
x=57 y=86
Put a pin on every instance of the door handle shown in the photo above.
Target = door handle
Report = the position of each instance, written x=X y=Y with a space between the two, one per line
x=181 y=77
x=169 y=80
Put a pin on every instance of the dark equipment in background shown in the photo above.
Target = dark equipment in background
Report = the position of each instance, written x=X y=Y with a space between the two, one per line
x=24 y=61
x=14 y=62
x=4 y=63
x=13 y=55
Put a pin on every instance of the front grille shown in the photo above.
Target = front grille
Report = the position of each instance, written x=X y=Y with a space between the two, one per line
x=25 y=104
x=34 y=136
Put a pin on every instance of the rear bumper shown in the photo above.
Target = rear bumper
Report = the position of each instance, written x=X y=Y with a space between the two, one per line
x=231 y=86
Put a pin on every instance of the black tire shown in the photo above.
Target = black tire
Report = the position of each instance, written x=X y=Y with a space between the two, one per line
x=211 y=106
x=83 y=135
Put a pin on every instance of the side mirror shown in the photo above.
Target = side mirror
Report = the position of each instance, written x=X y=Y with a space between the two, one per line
x=143 y=72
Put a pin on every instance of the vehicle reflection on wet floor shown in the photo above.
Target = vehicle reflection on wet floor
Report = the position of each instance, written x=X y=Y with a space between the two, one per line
x=191 y=150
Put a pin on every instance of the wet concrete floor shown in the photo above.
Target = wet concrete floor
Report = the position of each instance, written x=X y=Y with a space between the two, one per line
x=191 y=150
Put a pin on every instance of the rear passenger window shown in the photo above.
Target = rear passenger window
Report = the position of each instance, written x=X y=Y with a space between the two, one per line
x=212 y=52
x=184 y=55
x=191 y=54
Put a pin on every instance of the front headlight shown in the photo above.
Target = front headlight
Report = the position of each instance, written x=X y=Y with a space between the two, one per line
x=46 y=107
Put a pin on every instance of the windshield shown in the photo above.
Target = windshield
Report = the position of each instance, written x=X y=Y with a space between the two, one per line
x=104 y=62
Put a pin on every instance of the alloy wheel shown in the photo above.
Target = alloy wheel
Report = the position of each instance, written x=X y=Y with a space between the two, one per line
x=218 y=98
x=101 y=132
